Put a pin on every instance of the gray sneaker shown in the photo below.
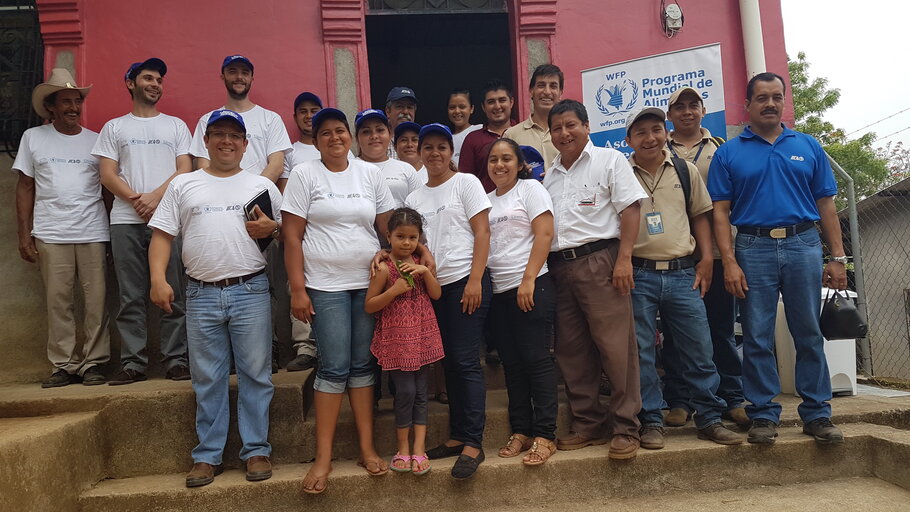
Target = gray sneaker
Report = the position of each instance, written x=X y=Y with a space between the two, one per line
x=823 y=431
x=762 y=431
x=302 y=362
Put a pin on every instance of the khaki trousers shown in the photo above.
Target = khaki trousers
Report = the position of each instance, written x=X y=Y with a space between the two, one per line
x=61 y=265
x=595 y=332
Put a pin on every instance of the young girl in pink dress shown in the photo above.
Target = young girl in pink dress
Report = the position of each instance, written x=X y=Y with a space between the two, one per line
x=406 y=340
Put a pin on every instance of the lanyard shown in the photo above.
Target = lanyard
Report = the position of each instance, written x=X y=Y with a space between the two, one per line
x=651 y=190
x=697 y=154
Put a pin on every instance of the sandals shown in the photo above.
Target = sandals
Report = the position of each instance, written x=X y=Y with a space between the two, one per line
x=377 y=464
x=401 y=458
x=315 y=489
x=541 y=450
x=517 y=444
x=416 y=468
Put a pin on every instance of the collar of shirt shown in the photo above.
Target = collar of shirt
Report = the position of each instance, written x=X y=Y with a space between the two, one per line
x=705 y=135
x=529 y=124
x=486 y=128
x=749 y=134
x=557 y=162
x=667 y=161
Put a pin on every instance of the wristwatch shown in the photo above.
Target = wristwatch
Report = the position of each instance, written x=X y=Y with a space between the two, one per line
x=840 y=259
x=277 y=232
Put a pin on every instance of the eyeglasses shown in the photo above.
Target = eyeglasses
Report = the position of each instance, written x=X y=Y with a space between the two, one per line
x=234 y=136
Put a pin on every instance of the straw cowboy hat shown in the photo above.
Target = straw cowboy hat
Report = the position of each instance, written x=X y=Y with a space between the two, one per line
x=60 y=79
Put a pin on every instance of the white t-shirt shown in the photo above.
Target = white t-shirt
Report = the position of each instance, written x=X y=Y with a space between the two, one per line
x=422 y=175
x=146 y=149
x=458 y=140
x=301 y=153
x=207 y=211
x=340 y=209
x=511 y=237
x=264 y=129
x=400 y=177
x=68 y=205
x=447 y=210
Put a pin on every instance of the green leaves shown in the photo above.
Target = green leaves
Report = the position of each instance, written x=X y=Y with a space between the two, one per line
x=406 y=275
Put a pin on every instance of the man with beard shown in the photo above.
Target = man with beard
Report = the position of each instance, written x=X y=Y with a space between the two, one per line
x=140 y=153
x=497 y=107
x=63 y=227
x=545 y=90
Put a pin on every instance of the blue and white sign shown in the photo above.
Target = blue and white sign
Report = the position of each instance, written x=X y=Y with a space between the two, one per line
x=611 y=92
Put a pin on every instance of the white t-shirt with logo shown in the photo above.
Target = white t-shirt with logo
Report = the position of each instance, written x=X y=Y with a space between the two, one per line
x=264 y=129
x=207 y=212
x=511 y=237
x=146 y=149
x=301 y=153
x=400 y=177
x=68 y=206
x=340 y=209
x=447 y=210
x=458 y=140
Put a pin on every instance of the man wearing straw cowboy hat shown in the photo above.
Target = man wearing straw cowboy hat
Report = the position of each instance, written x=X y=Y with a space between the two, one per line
x=63 y=227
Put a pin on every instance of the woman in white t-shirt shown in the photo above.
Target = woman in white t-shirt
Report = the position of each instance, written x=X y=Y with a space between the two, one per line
x=333 y=208
x=455 y=207
x=460 y=111
x=521 y=316
x=406 y=143
x=374 y=137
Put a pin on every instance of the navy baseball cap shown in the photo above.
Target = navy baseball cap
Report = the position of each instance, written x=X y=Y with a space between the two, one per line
x=230 y=59
x=370 y=113
x=326 y=114
x=534 y=161
x=306 y=96
x=400 y=92
x=153 y=63
x=229 y=115
x=435 y=128
x=406 y=126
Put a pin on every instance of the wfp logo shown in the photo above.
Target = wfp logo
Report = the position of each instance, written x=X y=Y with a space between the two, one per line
x=797 y=158
x=617 y=98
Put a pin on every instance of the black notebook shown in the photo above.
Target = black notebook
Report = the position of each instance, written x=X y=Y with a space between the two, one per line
x=264 y=201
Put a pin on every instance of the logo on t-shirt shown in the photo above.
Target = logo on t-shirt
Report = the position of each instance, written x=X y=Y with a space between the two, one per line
x=797 y=158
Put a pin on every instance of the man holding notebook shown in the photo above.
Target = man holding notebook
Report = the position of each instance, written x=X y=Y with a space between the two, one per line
x=227 y=296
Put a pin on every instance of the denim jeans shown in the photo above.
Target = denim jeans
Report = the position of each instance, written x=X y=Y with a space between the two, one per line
x=683 y=313
x=130 y=248
x=790 y=268
x=220 y=322
x=343 y=335
x=462 y=337
x=720 y=306
x=523 y=342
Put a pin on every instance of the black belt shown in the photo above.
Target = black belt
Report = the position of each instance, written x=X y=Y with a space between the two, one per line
x=581 y=250
x=677 y=264
x=779 y=232
x=231 y=281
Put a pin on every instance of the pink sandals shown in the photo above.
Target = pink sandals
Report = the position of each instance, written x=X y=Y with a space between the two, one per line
x=401 y=458
x=419 y=459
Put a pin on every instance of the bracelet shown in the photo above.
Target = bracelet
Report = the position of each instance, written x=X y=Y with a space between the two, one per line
x=277 y=232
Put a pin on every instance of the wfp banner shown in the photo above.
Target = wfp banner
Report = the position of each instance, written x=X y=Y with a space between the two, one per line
x=612 y=92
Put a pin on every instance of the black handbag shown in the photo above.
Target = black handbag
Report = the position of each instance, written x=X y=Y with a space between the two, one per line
x=840 y=320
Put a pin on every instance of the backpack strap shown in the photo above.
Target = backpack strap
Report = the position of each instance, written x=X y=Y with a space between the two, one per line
x=685 y=181
x=717 y=141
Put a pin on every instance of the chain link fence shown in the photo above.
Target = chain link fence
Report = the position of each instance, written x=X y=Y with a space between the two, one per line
x=877 y=238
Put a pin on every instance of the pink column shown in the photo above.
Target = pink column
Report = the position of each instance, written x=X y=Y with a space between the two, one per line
x=343 y=28
x=533 y=24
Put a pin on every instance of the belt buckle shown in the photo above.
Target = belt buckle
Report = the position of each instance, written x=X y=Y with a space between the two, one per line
x=778 y=233
x=661 y=265
x=565 y=255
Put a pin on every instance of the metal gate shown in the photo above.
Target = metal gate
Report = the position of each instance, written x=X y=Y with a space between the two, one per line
x=21 y=69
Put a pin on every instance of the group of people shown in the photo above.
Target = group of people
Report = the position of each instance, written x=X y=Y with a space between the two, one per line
x=430 y=241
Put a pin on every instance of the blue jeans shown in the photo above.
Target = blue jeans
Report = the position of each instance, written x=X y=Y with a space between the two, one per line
x=221 y=321
x=343 y=335
x=462 y=337
x=792 y=268
x=683 y=313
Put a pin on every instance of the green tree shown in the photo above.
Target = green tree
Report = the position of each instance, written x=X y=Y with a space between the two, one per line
x=811 y=98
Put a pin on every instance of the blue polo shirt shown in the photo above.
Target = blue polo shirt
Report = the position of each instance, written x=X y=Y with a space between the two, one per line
x=771 y=185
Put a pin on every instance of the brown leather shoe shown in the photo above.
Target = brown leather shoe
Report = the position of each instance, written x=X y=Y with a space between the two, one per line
x=258 y=468
x=202 y=474
x=677 y=417
x=575 y=441
x=738 y=415
x=623 y=447
x=652 y=437
x=720 y=435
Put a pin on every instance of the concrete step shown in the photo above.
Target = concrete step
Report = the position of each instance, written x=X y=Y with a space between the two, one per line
x=686 y=465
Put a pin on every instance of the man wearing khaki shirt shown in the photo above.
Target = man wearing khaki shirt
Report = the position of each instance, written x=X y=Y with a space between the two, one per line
x=545 y=90
x=669 y=282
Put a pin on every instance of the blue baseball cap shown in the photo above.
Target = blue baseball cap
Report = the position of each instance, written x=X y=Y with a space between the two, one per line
x=406 y=126
x=229 y=115
x=153 y=63
x=370 y=113
x=534 y=160
x=327 y=114
x=230 y=59
x=306 y=96
x=400 y=92
x=435 y=128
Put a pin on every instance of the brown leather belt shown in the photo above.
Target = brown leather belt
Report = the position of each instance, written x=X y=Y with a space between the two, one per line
x=581 y=250
x=231 y=281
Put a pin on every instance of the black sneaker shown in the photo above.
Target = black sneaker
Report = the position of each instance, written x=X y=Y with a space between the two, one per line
x=823 y=431
x=762 y=431
x=93 y=377
x=60 y=378
x=126 y=376
x=302 y=362
x=179 y=372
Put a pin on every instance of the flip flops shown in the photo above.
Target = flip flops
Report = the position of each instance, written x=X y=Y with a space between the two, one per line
x=400 y=458
x=419 y=459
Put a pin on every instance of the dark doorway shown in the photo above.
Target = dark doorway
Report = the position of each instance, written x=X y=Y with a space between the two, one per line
x=434 y=53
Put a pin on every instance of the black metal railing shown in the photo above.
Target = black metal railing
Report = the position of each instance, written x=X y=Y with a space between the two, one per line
x=21 y=69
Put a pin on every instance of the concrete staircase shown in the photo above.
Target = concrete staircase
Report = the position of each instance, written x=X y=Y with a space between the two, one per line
x=124 y=449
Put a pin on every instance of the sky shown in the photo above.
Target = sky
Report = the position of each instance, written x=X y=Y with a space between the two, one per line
x=861 y=48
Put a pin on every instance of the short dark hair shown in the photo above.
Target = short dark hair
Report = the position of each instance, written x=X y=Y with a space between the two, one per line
x=568 y=106
x=460 y=90
x=767 y=76
x=546 y=70
x=524 y=171
x=405 y=216
x=495 y=85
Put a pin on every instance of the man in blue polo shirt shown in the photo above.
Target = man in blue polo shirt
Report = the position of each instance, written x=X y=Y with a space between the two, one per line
x=774 y=184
